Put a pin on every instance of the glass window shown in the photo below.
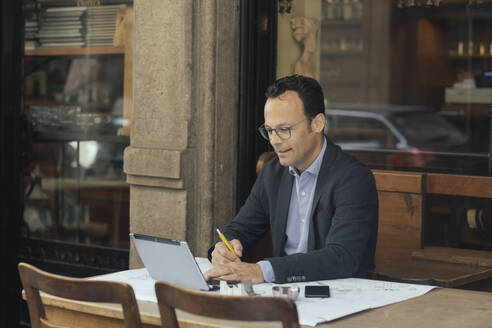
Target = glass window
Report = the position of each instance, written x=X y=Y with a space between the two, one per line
x=408 y=86
x=420 y=68
x=74 y=96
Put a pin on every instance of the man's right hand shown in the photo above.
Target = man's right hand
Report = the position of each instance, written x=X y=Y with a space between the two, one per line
x=222 y=255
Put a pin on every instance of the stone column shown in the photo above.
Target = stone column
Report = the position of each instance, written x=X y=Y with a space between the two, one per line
x=181 y=161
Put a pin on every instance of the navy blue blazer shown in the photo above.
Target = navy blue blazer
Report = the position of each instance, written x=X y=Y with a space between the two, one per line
x=344 y=219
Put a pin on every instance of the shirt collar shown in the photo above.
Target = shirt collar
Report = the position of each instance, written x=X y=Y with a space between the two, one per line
x=315 y=166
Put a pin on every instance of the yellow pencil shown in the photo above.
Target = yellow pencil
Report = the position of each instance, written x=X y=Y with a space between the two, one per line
x=224 y=239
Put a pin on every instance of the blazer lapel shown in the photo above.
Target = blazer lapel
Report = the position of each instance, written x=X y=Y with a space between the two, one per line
x=283 y=203
x=312 y=226
x=322 y=177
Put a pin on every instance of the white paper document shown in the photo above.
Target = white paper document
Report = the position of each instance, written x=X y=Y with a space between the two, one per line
x=348 y=296
x=142 y=282
x=139 y=279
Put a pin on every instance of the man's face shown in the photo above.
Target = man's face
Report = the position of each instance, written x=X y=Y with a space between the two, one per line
x=305 y=142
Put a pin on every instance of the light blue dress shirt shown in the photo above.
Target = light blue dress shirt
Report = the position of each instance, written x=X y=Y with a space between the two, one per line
x=299 y=217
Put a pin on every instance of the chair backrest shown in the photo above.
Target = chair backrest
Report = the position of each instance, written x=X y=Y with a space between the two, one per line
x=264 y=158
x=35 y=280
x=240 y=308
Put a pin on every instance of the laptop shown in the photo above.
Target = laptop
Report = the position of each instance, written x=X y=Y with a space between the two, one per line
x=171 y=261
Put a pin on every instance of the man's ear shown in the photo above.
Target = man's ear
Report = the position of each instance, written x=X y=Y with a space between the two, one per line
x=318 y=123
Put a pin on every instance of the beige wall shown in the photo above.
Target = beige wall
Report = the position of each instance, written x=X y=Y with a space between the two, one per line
x=180 y=163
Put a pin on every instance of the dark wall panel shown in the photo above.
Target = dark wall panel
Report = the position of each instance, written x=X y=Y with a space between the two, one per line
x=258 y=41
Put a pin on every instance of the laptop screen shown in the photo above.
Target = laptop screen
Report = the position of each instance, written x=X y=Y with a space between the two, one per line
x=169 y=260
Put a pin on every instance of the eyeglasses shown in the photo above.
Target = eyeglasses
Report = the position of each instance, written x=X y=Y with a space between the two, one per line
x=283 y=132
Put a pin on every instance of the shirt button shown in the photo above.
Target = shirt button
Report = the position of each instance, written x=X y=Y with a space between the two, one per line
x=303 y=193
x=302 y=220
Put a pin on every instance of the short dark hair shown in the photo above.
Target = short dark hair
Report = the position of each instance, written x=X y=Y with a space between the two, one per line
x=308 y=89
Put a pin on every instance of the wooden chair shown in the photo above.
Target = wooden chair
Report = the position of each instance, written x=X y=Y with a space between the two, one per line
x=239 y=308
x=264 y=158
x=35 y=280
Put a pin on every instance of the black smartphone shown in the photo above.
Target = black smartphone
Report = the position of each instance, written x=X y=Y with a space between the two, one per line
x=317 y=291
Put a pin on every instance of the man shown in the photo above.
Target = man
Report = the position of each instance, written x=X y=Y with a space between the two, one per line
x=319 y=203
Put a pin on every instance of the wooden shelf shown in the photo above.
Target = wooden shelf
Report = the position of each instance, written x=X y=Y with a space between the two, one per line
x=341 y=84
x=473 y=106
x=463 y=57
x=466 y=1
x=341 y=53
x=472 y=109
x=90 y=106
x=75 y=51
x=61 y=136
x=450 y=10
x=342 y=22
x=97 y=186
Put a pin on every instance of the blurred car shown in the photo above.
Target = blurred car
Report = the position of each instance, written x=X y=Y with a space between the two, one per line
x=408 y=134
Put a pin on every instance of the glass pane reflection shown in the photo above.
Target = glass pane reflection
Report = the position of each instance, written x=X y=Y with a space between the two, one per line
x=77 y=193
x=406 y=87
x=74 y=94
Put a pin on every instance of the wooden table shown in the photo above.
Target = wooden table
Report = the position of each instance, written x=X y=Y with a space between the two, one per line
x=444 y=307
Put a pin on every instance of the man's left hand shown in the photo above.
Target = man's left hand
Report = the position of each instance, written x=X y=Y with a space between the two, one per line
x=236 y=271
